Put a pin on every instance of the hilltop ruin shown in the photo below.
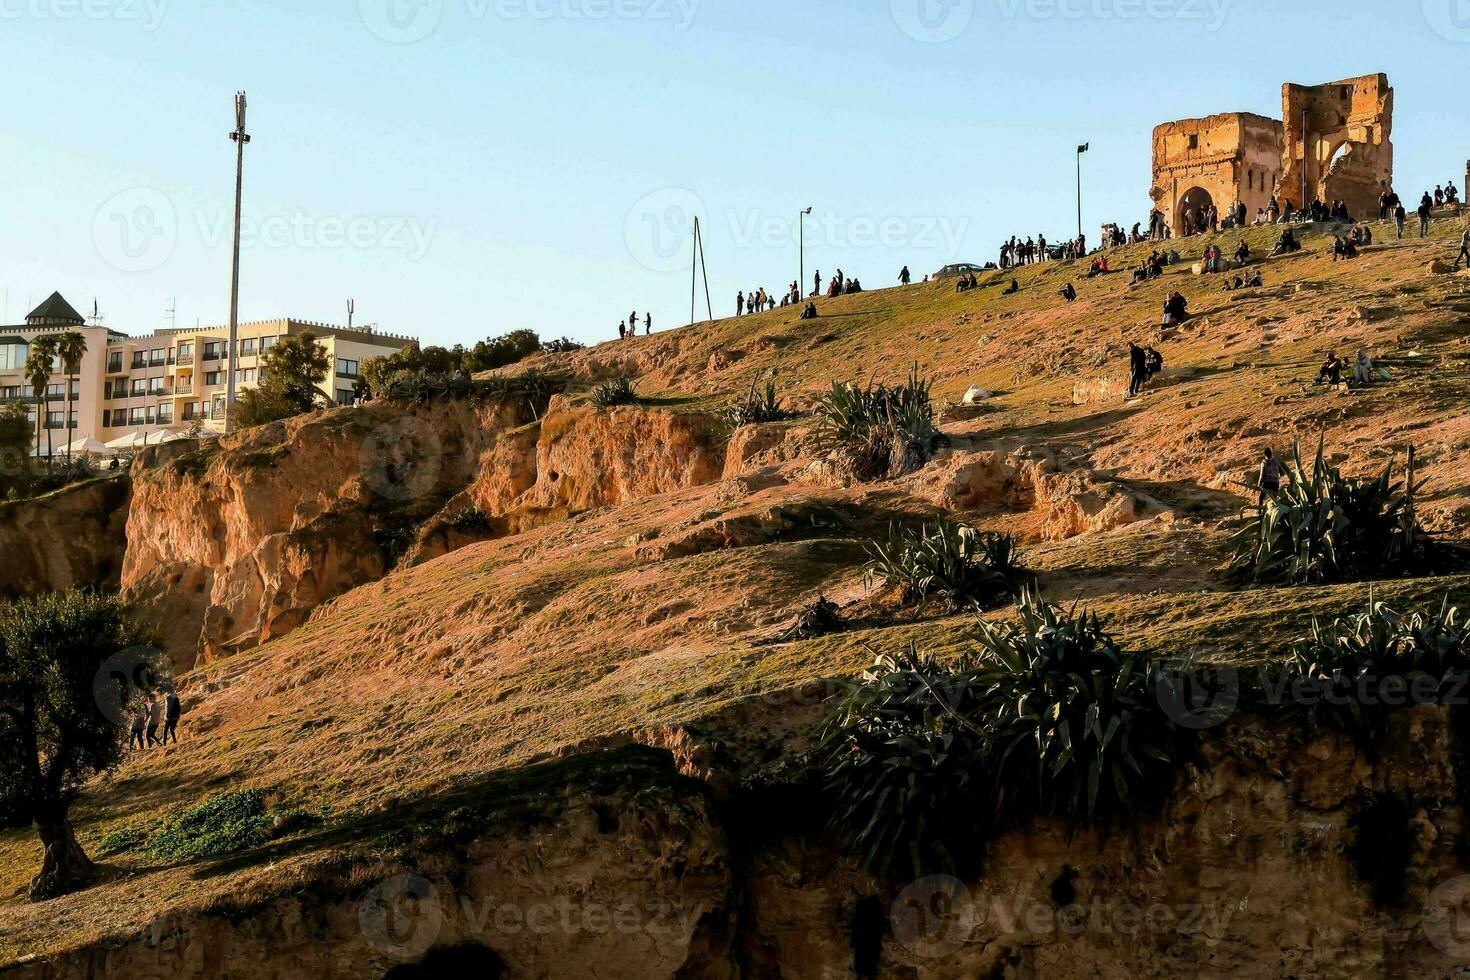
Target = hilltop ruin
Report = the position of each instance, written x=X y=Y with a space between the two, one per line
x=1333 y=142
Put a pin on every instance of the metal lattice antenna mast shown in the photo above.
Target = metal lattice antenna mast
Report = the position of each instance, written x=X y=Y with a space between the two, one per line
x=240 y=138
x=172 y=313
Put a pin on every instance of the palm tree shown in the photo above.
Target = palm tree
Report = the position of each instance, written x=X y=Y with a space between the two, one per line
x=70 y=347
x=38 y=373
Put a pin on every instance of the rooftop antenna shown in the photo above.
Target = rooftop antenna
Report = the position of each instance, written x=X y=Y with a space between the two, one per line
x=351 y=309
x=172 y=313
x=240 y=138
x=95 y=319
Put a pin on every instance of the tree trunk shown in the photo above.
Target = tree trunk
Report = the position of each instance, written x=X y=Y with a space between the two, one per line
x=65 y=867
x=66 y=422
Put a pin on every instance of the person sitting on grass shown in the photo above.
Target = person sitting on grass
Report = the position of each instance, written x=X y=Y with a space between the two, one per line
x=1232 y=285
x=1069 y=293
x=1286 y=244
x=810 y=312
x=1013 y=288
x=1362 y=367
x=1362 y=236
x=1242 y=253
x=1176 y=310
x=1343 y=248
x=1331 y=371
x=1254 y=280
x=1153 y=362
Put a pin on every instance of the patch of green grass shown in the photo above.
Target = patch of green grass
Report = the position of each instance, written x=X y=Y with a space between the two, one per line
x=223 y=824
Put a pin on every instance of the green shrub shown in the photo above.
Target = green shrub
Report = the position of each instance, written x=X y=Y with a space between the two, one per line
x=759 y=406
x=882 y=430
x=222 y=824
x=1354 y=672
x=471 y=520
x=619 y=391
x=1325 y=527
x=1047 y=717
x=950 y=562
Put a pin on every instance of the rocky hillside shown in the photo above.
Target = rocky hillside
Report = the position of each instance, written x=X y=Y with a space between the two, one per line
x=540 y=665
x=72 y=538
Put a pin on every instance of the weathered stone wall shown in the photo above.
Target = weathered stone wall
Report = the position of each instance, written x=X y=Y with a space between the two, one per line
x=1339 y=137
x=1230 y=157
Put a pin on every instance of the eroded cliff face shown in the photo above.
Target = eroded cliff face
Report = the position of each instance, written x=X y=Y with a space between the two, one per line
x=73 y=538
x=234 y=544
x=1281 y=856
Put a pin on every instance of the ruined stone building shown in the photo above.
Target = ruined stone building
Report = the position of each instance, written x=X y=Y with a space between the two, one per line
x=1334 y=139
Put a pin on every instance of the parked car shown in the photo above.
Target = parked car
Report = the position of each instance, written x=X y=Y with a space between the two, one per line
x=959 y=269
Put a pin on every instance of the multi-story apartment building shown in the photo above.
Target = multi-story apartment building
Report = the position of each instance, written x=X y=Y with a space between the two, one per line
x=175 y=379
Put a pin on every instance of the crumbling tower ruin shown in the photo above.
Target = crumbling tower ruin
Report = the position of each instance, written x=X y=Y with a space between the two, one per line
x=1335 y=139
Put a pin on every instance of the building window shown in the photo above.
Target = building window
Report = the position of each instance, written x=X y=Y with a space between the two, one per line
x=266 y=343
x=156 y=386
x=139 y=388
x=213 y=350
x=13 y=356
x=119 y=417
x=346 y=368
x=114 y=362
x=165 y=414
x=214 y=377
x=55 y=392
x=244 y=375
x=156 y=358
x=140 y=360
x=148 y=417
x=345 y=396
x=53 y=420
x=135 y=416
x=247 y=346
x=107 y=389
x=186 y=350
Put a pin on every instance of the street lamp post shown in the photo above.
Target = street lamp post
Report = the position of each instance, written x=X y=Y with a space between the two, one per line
x=1080 y=150
x=240 y=138
x=801 y=251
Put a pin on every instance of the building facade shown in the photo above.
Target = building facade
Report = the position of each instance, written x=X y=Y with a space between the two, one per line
x=171 y=380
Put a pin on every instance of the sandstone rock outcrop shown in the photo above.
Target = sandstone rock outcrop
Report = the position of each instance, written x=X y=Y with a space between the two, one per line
x=73 y=538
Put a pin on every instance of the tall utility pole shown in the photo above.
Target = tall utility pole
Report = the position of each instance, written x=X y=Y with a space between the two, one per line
x=1080 y=150
x=801 y=250
x=699 y=263
x=240 y=138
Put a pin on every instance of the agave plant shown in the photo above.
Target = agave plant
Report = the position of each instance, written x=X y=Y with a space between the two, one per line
x=759 y=406
x=1353 y=672
x=1077 y=726
x=1046 y=717
x=883 y=429
x=905 y=768
x=1322 y=527
x=619 y=391
x=949 y=562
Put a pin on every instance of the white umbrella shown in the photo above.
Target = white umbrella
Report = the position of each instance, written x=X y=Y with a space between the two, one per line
x=86 y=445
x=133 y=440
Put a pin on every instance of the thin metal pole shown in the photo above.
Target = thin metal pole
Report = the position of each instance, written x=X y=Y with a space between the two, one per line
x=1079 y=194
x=801 y=251
x=693 y=268
x=241 y=138
x=704 y=264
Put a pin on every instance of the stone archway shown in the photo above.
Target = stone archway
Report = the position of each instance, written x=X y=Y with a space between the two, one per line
x=1193 y=201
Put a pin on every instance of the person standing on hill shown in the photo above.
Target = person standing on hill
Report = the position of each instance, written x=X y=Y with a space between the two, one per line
x=1464 y=251
x=1426 y=210
x=740 y=303
x=1269 y=477
x=155 y=718
x=140 y=722
x=817 y=283
x=633 y=324
x=171 y=716
x=903 y=277
x=1137 y=369
x=648 y=325
x=622 y=330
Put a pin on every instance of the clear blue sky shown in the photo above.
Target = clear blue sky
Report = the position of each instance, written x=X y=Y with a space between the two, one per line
x=467 y=167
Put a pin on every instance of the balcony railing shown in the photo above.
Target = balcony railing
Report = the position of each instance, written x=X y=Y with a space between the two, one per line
x=184 y=388
x=185 y=360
